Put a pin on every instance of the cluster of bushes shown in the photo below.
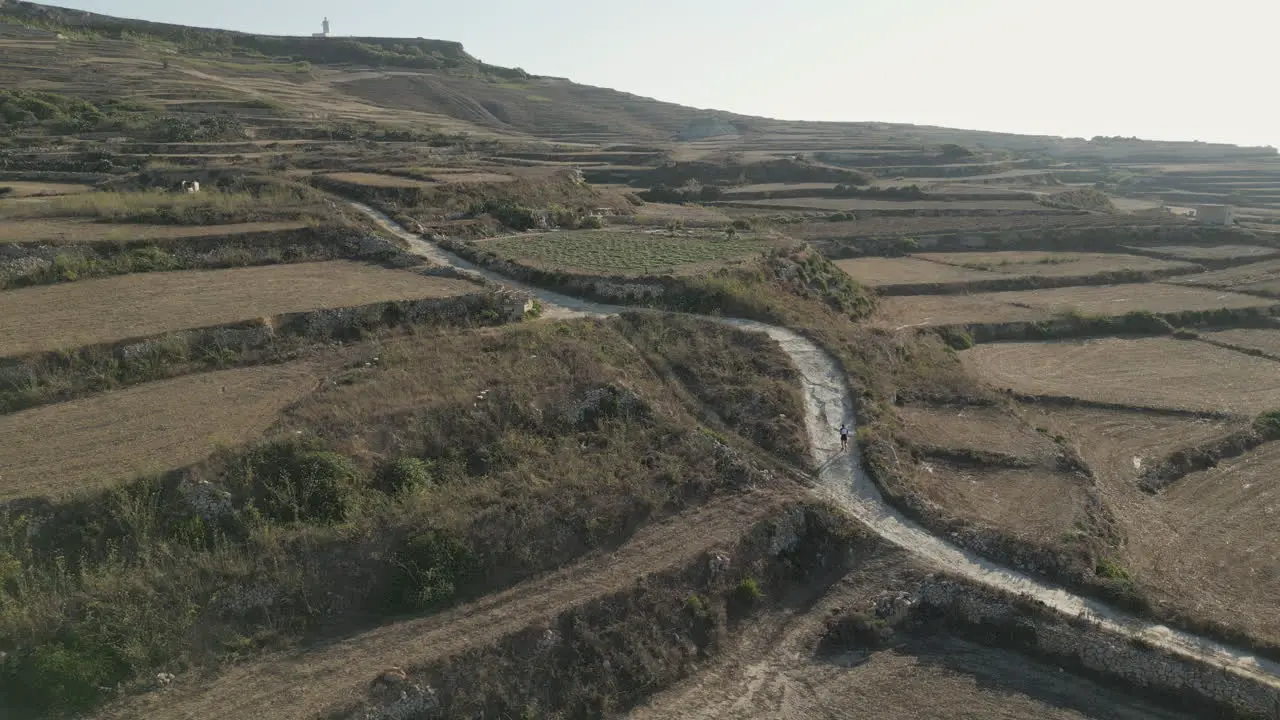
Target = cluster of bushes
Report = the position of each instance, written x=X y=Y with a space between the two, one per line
x=1079 y=199
x=665 y=194
x=903 y=192
x=71 y=655
x=31 y=109
x=214 y=128
x=93 y=161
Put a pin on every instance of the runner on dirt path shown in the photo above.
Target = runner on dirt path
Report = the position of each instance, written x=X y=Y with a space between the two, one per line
x=844 y=437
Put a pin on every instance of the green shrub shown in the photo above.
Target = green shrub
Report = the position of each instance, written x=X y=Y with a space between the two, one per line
x=1268 y=423
x=54 y=678
x=1112 y=570
x=748 y=591
x=956 y=339
x=696 y=605
x=429 y=570
x=407 y=474
x=5 y=190
x=294 y=481
x=510 y=214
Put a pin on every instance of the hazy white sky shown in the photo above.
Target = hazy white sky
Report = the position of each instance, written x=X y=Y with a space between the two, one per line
x=1155 y=69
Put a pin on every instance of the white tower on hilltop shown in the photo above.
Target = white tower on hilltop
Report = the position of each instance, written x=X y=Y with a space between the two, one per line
x=325 y=25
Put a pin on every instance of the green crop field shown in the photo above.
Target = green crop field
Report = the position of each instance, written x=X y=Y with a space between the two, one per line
x=611 y=252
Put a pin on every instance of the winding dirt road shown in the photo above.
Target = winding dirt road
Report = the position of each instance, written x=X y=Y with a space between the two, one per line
x=844 y=480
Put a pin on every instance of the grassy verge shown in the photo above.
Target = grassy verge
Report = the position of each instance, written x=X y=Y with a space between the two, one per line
x=515 y=453
x=52 y=377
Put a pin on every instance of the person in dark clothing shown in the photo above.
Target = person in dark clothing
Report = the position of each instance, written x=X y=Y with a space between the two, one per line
x=844 y=437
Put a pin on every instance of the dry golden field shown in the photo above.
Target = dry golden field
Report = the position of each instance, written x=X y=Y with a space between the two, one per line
x=1147 y=372
x=78 y=445
x=80 y=231
x=94 y=311
x=1052 y=264
x=1101 y=300
x=893 y=271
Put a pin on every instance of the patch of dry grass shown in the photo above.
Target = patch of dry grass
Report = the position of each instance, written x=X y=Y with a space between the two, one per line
x=377 y=180
x=23 y=189
x=93 y=311
x=1261 y=277
x=1052 y=264
x=1102 y=300
x=1147 y=372
x=83 y=444
x=893 y=271
x=1207 y=546
x=86 y=231
x=205 y=207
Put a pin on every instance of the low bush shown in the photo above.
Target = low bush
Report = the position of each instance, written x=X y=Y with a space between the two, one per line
x=407 y=474
x=430 y=569
x=298 y=481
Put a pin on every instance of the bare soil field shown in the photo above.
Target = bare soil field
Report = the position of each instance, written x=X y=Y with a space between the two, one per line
x=893 y=271
x=1037 y=502
x=1208 y=545
x=663 y=213
x=92 y=311
x=979 y=428
x=150 y=428
x=377 y=180
x=1051 y=264
x=1147 y=372
x=868 y=204
x=1267 y=341
x=1212 y=252
x=23 y=189
x=1103 y=300
x=1262 y=277
x=770 y=187
x=879 y=226
x=83 y=231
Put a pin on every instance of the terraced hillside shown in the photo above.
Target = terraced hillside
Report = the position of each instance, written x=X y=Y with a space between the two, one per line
x=345 y=433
